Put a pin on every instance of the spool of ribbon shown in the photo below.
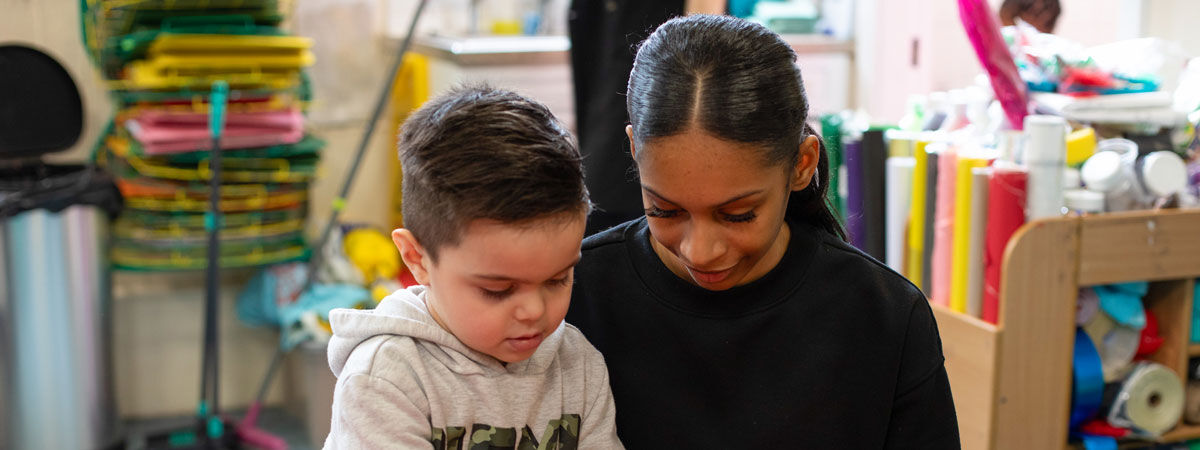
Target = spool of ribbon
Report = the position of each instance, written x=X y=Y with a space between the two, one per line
x=1150 y=400
x=1151 y=341
x=1087 y=389
x=1086 y=306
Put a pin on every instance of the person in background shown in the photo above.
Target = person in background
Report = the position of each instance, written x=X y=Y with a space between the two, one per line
x=603 y=36
x=734 y=314
x=478 y=353
x=1042 y=14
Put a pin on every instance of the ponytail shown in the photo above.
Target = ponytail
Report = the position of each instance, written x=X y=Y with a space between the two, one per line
x=811 y=204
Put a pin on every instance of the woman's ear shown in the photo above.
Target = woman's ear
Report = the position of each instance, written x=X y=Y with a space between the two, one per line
x=416 y=259
x=806 y=163
x=632 y=149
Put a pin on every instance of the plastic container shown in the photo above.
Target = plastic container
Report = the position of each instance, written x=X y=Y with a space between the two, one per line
x=1083 y=201
x=1105 y=172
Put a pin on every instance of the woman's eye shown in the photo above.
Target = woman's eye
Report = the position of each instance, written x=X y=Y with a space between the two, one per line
x=739 y=218
x=498 y=295
x=660 y=213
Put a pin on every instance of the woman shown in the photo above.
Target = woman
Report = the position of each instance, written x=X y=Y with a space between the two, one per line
x=734 y=315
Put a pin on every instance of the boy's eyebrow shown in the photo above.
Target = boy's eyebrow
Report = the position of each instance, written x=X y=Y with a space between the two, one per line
x=726 y=202
x=491 y=277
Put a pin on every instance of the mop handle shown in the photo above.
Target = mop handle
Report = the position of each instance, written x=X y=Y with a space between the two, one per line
x=314 y=262
x=209 y=410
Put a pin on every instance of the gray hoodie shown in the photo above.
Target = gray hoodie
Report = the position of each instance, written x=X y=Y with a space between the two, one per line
x=405 y=382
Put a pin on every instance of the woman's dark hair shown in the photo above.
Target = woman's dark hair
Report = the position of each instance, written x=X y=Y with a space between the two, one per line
x=738 y=81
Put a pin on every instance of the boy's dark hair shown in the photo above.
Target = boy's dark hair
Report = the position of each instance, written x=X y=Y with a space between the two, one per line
x=482 y=153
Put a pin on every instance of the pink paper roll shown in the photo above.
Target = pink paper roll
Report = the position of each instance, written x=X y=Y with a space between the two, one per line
x=943 y=227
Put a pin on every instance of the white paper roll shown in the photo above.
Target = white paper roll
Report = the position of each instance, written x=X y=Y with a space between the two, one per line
x=1150 y=400
x=976 y=239
x=899 y=189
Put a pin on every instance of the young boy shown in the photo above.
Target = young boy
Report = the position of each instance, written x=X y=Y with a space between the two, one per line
x=477 y=356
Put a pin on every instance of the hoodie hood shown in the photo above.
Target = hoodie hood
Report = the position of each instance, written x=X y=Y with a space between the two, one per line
x=405 y=314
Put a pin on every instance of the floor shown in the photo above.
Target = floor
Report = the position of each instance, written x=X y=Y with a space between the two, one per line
x=273 y=420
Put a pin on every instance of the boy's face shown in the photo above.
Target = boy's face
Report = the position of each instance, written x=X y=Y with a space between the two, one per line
x=504 y=288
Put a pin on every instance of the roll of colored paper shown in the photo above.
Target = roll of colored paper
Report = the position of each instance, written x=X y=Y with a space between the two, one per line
x=855 y=201
x=943 y=228
x=874 y=159
x=1006 y=213
x=900 y=143
x=931 y=176
x=961 y=231
x=914 y=267
x=899 y=202
x=1150 y=400
x=976 y=238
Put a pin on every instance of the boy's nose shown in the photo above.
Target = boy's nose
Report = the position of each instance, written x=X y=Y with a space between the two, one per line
x=530 y=307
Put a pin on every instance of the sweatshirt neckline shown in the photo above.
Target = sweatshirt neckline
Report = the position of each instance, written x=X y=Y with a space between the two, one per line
x=764 y=293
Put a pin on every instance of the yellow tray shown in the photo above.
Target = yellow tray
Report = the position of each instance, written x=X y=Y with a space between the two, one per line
x=273 y=201
x=225 y=44
x=126 y=230
x=176 y=260
x=238 y=170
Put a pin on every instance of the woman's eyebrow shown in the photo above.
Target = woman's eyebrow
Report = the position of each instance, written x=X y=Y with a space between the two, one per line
x=726 y=202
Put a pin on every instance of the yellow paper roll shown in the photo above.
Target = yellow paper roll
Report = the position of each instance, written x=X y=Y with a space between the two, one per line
x=962 y=231
x=914 y=269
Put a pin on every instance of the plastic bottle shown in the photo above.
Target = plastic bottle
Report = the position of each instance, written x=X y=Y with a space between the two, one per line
x=1045 y=155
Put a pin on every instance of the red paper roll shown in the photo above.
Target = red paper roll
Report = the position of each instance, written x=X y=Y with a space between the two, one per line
x=1006 y=213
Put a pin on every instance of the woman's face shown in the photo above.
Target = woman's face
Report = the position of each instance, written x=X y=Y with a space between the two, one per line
x=715 y=210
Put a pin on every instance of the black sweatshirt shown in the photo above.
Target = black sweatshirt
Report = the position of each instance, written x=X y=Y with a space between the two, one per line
x=830 y=349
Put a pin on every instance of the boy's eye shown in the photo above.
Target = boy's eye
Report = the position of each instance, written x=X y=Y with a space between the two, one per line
x=559 y=282
x=739 y=218
x=654 y=211
x=497 y=295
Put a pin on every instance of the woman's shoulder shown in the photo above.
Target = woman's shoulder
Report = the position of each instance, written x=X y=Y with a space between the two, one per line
x=841 y=264
x=613 y=238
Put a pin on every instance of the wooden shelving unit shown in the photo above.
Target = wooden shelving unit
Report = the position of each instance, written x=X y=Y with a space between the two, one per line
x=1012 y=380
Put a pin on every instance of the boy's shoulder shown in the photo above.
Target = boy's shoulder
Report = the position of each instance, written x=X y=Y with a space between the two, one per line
x=387 y=356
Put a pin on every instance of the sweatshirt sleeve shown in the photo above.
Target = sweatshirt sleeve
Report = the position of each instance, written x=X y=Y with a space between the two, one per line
x=370 y=412
x=923 y=413
x=598 y=427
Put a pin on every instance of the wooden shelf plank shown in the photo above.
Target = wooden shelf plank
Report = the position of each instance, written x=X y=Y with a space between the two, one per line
x=1183 y=432
x=1138 y=246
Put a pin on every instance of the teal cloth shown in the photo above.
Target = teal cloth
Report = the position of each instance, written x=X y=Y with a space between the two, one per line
x=1123 y=302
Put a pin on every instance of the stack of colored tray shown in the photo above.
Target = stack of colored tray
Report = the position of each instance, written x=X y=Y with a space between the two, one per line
x=159 y=58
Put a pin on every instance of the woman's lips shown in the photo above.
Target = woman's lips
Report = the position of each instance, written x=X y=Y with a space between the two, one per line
x=709 y=277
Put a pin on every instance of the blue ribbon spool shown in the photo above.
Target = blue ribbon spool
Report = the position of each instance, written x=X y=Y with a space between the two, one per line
x=1087 y=381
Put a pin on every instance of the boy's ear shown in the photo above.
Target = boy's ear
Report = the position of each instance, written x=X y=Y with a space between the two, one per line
x=416 y=259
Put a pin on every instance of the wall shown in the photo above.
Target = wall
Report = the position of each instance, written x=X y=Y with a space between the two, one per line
x=919 y=46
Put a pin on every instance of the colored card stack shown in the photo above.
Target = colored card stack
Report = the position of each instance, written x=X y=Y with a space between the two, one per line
x=159 y=58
